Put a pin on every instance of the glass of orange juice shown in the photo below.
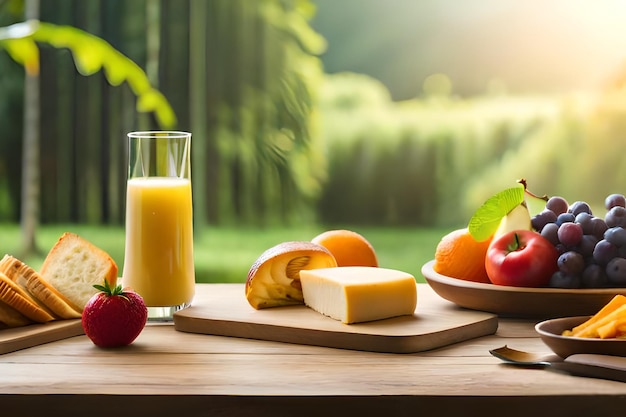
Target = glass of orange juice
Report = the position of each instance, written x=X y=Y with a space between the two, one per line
x=158 y=260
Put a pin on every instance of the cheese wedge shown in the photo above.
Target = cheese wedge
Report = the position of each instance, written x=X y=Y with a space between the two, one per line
x=354 y=294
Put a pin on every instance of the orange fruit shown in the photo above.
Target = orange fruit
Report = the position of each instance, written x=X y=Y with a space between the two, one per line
x=459 y=255
x=349 y=248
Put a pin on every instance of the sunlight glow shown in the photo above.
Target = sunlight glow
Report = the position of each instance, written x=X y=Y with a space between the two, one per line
x=552 y=45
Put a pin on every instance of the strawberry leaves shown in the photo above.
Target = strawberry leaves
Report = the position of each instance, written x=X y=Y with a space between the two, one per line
x=109 y=291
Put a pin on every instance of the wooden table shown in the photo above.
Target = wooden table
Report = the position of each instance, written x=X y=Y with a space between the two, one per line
x=167 y=372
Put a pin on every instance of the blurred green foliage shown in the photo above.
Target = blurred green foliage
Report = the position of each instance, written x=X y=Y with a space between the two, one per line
x=250 y=106
x=225 y=254
x=433 y=160
x=280 y=142
x=91 y=54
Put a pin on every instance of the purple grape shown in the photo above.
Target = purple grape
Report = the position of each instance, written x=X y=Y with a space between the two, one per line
x=571 y=263
x=586 y=245
x=561 y=280
x=616 y=216
x=594 y=276
x=557 y=204
x=616 y=235
x=570 y=234
x=539 y=220
x=550 y=231
x=598 y=227
x=565 y=218
x=578 y=207
x=616 y=271
x=584 y=219
x=615 y=200
x=604 y=252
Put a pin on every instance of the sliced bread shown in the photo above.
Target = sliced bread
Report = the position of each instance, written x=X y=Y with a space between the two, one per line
x=40 y=290
x=13 y=295
x=74 y=265
x=10 y=317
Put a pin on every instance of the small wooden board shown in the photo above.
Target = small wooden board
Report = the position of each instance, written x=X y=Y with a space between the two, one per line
x=222 y=309
x=38 y=334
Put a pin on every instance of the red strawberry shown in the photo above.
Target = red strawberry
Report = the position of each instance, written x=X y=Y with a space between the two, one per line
x=114 y=316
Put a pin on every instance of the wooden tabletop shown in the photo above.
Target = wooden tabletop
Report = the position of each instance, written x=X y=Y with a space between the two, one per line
x=168 y=372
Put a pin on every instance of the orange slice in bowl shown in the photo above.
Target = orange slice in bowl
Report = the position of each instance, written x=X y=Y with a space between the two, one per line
x=274 y=278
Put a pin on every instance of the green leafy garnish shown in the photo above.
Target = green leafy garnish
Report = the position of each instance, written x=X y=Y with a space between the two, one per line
x=110 y=290
x=486 y=219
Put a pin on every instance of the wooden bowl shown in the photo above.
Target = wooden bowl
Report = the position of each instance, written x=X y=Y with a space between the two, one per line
x=519 y=302
x=550 y=332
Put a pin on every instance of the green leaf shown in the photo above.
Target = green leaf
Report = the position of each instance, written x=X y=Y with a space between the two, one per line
x=25 y=52
x=103 y=288
x=91 y=54
x=152 y=100
x=108 y=290
x=19 y=30
x=486 y=219
x=148 y=101
x=88 y=56
x=114 y=70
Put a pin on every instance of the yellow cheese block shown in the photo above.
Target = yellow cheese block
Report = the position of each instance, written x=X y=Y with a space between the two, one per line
x=354 y=294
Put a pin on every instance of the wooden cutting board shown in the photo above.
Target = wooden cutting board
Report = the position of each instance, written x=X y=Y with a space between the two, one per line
x=222 y=309
x=38 y=334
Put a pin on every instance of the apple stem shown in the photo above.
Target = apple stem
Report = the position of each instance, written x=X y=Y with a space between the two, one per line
x=516 y=245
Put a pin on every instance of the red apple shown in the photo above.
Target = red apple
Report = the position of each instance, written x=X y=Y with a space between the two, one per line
x=521 y=258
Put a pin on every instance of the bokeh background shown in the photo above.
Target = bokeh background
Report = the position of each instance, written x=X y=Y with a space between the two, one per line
x=394 y=118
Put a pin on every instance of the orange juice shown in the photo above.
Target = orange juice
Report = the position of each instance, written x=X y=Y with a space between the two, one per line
x=158 y=263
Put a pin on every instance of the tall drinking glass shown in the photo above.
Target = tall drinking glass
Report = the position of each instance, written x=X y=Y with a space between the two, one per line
x=158 y=261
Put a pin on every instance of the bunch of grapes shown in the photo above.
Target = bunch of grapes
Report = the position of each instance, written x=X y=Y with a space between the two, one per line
x=592 y=249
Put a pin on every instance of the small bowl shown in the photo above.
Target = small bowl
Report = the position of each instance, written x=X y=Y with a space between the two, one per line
x=551 y=331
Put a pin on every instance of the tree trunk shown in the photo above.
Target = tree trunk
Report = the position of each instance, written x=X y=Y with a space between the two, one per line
x=153 y=47
x=198 y=108
x=30 y=168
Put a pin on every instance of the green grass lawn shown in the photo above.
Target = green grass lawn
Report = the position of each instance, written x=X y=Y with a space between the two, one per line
x=225 y=254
